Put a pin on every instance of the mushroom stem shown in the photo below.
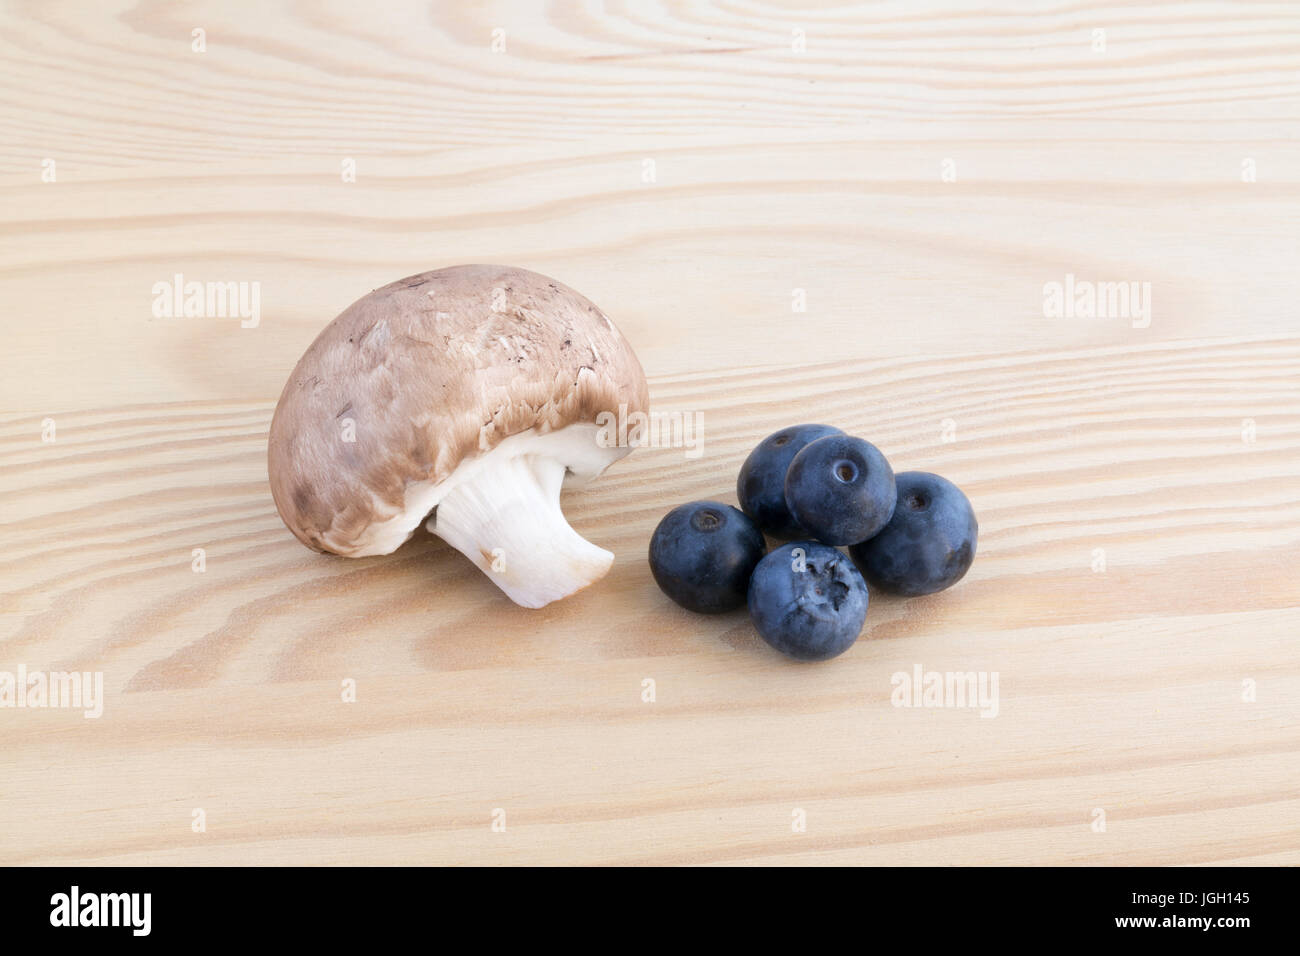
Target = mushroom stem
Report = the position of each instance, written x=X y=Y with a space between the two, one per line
x=508 y=522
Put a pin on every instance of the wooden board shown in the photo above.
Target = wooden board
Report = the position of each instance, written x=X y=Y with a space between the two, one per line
x=913 y=176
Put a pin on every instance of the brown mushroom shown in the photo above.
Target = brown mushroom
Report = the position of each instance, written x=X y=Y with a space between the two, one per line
x=465 y=396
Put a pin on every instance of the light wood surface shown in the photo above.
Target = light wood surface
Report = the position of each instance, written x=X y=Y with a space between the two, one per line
x=920 y=171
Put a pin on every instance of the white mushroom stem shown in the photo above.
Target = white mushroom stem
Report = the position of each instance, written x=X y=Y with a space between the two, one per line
x=506 y=518
x=508 y=522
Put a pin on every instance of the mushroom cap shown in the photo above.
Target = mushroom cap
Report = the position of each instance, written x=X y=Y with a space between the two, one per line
x=433 y=370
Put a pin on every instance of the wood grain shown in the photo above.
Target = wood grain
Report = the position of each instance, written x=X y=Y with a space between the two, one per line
x=1173 y=448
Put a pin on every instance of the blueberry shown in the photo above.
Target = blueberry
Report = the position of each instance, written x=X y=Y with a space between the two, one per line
x=702 y=554
x=761 y=485
x=840 y=489
x=808 y=600
x=929 y=543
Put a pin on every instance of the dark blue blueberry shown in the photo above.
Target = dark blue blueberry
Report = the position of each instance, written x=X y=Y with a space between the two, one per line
x=808 y=600
x=761 y=485
x=929 y=543
x=702 y=554
x=840 y=489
